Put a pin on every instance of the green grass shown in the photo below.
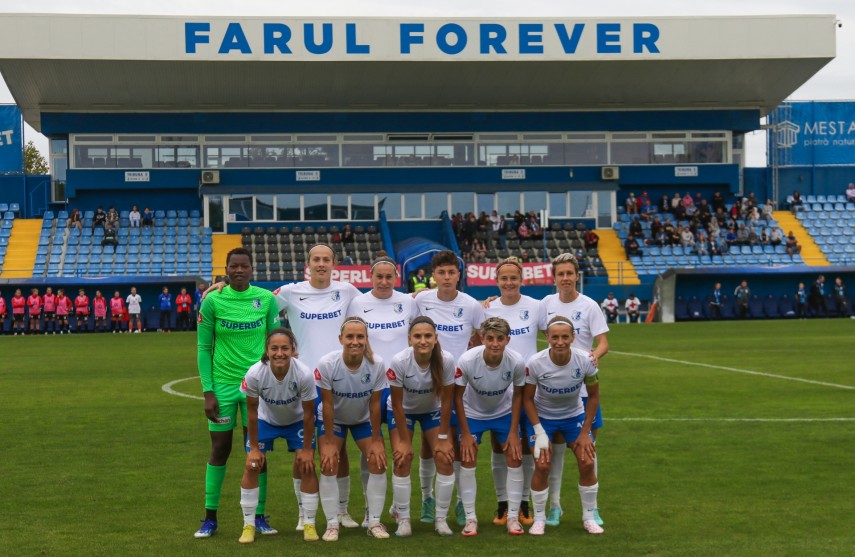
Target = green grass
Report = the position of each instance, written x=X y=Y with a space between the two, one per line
x=98 y=460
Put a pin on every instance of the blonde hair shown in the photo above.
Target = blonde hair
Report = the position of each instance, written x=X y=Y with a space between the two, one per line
x=565 y=258
x=369 y=353
x=495 y=325
x=514 y=261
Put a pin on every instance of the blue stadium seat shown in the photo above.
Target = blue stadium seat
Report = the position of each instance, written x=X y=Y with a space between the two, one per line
x=681 y=309
x=195 y=214
x=15 y=208
x=4 y=207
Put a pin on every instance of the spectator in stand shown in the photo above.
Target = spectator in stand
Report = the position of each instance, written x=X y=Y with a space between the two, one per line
x=610 y=306
x=817 y=297
x=676 y=201
x=635 y=227
x=183 y=305
x=768 y=209
x=117 y=312
x=647 y=210
x=99 y=309
x=75 y=220
x=534 y=227
x=801 y=301
x=735 y=212
x=81 y=311
x=112 y=217
x=687 y=239
x=655 y=227
x=19 y=312
x=134 y=217
x=687 y=201
x=850 y=192
x=3 y=314
x=524 y=256
x=674 y=236
x=715 y=302
x=479 y=251
x=147 y=218
x=49 y=310
x=753 y=215
x=664 y=204
x=753 y=239
x=34 y=303
x=64 y=307
x=742 y=294
x=501 y=231
x=702 y=245
x=633 y=308
x=797 y=201
x=704 y=213
x=99 y=219
x=718 y=202
x=165 y=305
x=742 y=235
x=592 y=240
x=347 y=235
x=134 y=302
x=523 y=230
x=631 y=246
x=777 y=236
x=111 y=238
x=642 y=200
x=841 y=303
x=631 y=204
x=793 y=246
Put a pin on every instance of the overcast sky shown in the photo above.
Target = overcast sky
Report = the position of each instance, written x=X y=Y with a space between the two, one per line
x=835 y=81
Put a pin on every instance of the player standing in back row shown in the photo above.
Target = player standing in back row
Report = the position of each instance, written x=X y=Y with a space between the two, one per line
x=233 y=325
x=589 y=326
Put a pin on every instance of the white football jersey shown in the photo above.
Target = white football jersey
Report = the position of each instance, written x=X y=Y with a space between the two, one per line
x=280 y=402
x=351 y=390
x=134 y=302
x=524 y=319
x=388 y=321
x=586 y=315
x=416 y=382
x=489 y=391
x=315 y=315
x=455 y=320
x=559 y=388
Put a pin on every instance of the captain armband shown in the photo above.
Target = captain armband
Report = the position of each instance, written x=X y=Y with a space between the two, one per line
x=592 y=379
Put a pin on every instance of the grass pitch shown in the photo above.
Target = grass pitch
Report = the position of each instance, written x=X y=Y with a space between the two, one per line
x=714 y=444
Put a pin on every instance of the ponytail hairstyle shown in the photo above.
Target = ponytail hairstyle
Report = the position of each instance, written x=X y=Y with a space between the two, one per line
x=437 y=365
x=369 y=353
x=279 y=331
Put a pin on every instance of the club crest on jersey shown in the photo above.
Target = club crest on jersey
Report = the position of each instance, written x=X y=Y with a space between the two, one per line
x=524 y=314
x=256 y=303
x=577 y=316
x=293 y=386
x=335 y=296
x=366 y=378
x=577 y=373
x=399 y=308
x=199 y=318
x=458 y=313
x=506 y=375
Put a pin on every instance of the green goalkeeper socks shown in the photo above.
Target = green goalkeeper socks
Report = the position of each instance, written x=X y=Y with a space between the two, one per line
x=214 y=476
x=262 y=493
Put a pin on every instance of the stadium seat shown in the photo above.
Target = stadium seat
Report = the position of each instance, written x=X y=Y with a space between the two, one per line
x=770 y=307
x=681 y=309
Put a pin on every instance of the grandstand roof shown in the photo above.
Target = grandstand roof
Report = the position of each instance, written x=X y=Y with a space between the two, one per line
x=89 y=63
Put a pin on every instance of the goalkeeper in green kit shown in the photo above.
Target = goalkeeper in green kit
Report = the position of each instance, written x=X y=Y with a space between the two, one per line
x=233 y=326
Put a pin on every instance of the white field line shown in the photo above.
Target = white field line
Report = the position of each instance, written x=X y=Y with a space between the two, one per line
x=736 y=370
x=167 y=388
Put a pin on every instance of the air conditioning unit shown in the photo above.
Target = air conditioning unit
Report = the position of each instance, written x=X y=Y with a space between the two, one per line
x=610 y=173
x=210 y=176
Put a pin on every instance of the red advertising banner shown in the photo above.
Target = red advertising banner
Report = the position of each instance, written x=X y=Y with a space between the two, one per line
x=484 y=274
x=357 y=275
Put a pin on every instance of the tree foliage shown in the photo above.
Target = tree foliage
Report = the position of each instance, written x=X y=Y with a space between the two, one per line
x=34 y=161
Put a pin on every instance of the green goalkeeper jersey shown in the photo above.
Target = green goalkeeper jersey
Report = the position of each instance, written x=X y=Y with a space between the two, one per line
x=233 y=327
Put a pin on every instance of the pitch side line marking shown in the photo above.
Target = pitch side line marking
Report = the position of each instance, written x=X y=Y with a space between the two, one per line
x=788 y=420
x=734 y=369
x=167 y=388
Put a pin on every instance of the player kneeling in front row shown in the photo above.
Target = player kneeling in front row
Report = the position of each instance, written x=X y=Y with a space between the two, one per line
x=351 y=382
x=421 y=379
x=280 y=400
x=486 y=401
x=554 y=378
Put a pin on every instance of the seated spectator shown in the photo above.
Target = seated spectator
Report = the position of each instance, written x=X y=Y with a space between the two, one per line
x=500 y=230
x=704 y=213
x=610 y=306
x=631 y=246
x=664 y=204
x=753 y=239
x=99 y=220
x=797 y=201
x=713 y=227
x=75 y=220
x=523 y=231
x=718 y=202
x=112 y=217
x=764 y=237
x=730 y=237
x=110 y=238
x=347 y=260
x=134 y=217
x=642 y=200
x=479 y=250
x=850 y=192
x=687 y=201
x=676 y=201
x=147 y=218
x=753 y=215
x=715 y=248
x=534 y=227
x=525 y=257
x=776 y=237
x=687 y=239
x=702 y=245
x=793 y=246
x=768 y=209
x=635 y=227
x=647 y=210
x=347 y=234
x=592 y=240
x=631 y=204
x=742 y=235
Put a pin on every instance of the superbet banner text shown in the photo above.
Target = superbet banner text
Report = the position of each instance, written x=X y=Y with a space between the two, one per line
x=357 y=275
x=484 y=274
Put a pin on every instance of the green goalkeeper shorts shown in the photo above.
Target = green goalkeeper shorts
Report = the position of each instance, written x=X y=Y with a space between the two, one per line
x=230 y=400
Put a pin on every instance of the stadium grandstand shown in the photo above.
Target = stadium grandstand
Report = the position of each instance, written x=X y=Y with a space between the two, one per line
x=393 y=135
